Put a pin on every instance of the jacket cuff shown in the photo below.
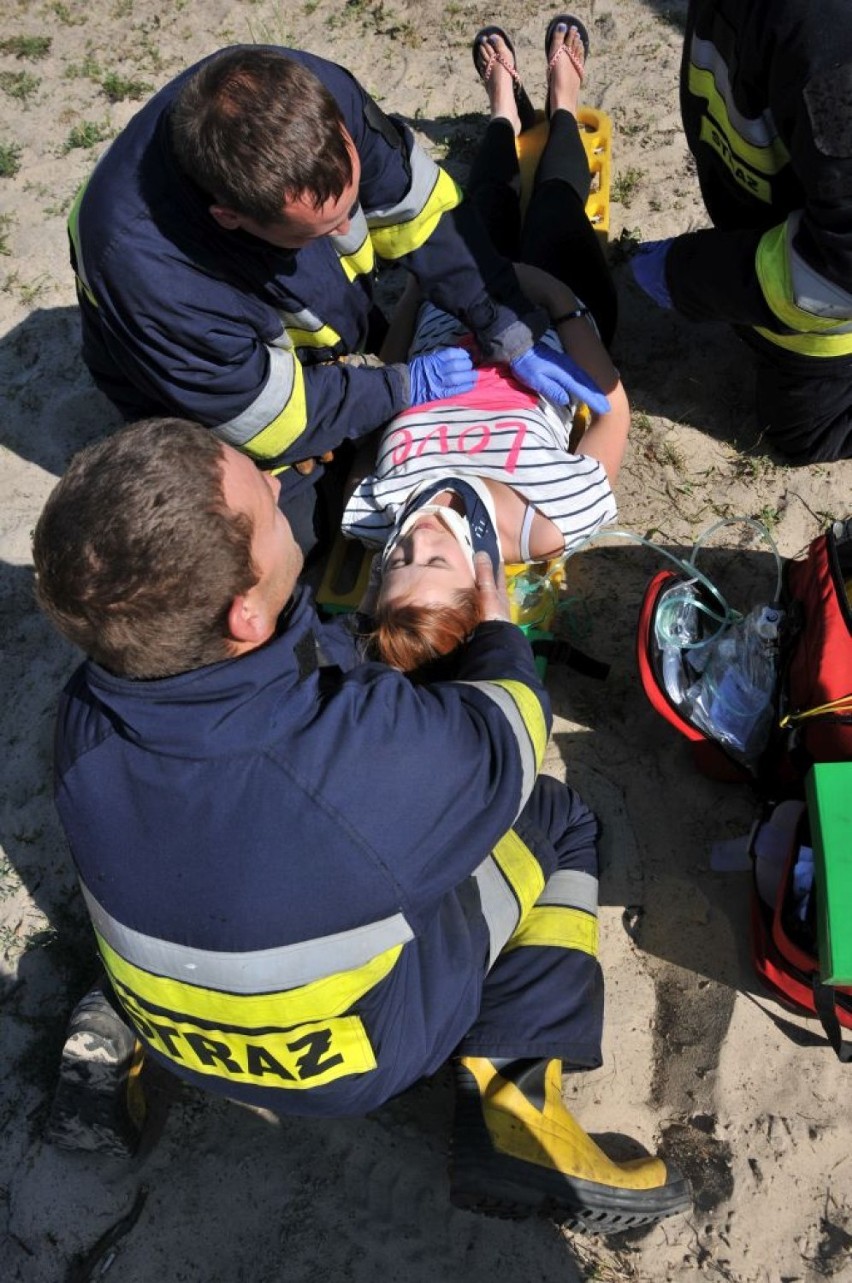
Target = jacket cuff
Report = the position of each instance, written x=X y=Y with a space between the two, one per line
x=399 y=373
x=512 y=340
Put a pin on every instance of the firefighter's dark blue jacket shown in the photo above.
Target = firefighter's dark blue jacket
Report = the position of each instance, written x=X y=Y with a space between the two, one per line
x=297 y=864
x=766 y=95
x=182 y=316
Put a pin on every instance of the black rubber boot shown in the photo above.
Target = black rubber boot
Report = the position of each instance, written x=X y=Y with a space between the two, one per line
x=517 y=1150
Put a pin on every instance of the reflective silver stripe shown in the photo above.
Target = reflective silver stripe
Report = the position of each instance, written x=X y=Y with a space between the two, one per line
x=499 y=906
x=424 y=176
x=760 y=131
x=271 y=400
x=256 y=972
x=572 y=889
x=355 y=237
x=812 y=292
x=509 y=708
x=302 y=320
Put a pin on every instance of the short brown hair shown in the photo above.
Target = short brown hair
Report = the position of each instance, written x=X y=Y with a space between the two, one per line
x=137 y=557
x=255 y=129
x=411 y=637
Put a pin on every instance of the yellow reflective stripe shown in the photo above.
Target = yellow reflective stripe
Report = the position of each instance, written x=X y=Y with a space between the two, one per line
x=319 y=1000
x=772 y=263
x=559 y=927
x=769 y=159
x=520 y=868
x=399 y=239
x=361 y=263
x=74 y=233
x=299 y=1058
x=286 y=428
x=776 y=281
x=326 y=336
x=532 y=715
x=711 y=134
x=74 y=217
x=820 y=345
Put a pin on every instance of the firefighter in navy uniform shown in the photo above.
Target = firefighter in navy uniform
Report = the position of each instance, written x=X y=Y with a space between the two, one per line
x=313 y=881
x=225 y=249
x=766 y=96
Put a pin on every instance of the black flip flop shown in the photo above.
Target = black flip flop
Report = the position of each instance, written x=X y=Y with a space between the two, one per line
x=569 y=22
x=526 y=111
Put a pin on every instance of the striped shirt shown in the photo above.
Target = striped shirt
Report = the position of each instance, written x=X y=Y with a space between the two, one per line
x=499 y=431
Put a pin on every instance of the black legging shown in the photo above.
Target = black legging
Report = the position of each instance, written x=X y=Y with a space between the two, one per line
x=556 y=234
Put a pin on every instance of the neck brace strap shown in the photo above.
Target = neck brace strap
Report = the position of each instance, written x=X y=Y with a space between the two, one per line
x=478 y=531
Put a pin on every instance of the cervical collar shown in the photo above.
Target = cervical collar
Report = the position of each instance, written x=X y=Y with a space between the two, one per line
x=475 y=529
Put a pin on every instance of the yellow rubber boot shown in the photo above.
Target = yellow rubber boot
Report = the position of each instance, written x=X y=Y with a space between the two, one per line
x=518 y=1150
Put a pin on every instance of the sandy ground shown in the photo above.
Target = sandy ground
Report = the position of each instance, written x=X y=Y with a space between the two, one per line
x=697 y=1060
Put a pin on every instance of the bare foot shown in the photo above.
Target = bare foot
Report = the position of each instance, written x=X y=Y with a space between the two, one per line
x=566 y=57
x=493 y=60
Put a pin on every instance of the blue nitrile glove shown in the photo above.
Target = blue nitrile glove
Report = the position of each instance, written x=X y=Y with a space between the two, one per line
x=554 y=375
x=446 y=372
x=648 y=266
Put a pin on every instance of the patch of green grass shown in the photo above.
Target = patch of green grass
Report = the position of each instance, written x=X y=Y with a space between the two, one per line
x=65 y=16
x=88 y=69
x=625 y=245
x=30 y=47
x=10 y=159
x=7 y=222
x=275 y=29
x=59 y=208
x=673 y=456
x=148 y=50
x=409 y=34
x=752 y=467
x=87 y=134
x=117 y=87
x=624 y=185
x=10 y=883
x=29 y=292
x=19 y=84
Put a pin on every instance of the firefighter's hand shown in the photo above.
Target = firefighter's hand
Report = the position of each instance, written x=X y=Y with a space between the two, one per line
x=648 y=266
x=554 y=375
x=493 y=598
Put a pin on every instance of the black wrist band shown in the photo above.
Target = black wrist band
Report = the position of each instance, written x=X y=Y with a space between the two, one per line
x=570 y=316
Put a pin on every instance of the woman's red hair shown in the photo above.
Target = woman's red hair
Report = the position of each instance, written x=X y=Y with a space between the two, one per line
x=409 y=636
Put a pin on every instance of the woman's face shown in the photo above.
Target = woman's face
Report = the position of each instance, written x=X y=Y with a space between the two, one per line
x=427 y=567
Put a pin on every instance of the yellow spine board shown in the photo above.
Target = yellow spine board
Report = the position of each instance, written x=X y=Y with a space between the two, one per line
x=596 y=135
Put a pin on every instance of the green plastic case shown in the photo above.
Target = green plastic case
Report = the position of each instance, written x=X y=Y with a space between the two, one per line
x=829 y=792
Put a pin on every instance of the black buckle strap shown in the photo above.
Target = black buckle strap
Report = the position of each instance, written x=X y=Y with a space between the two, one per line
x=558 y=651
x=827 y=1012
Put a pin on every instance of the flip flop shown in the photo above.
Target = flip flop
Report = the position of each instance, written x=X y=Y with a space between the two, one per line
x=569 y=22
x=526 y=111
